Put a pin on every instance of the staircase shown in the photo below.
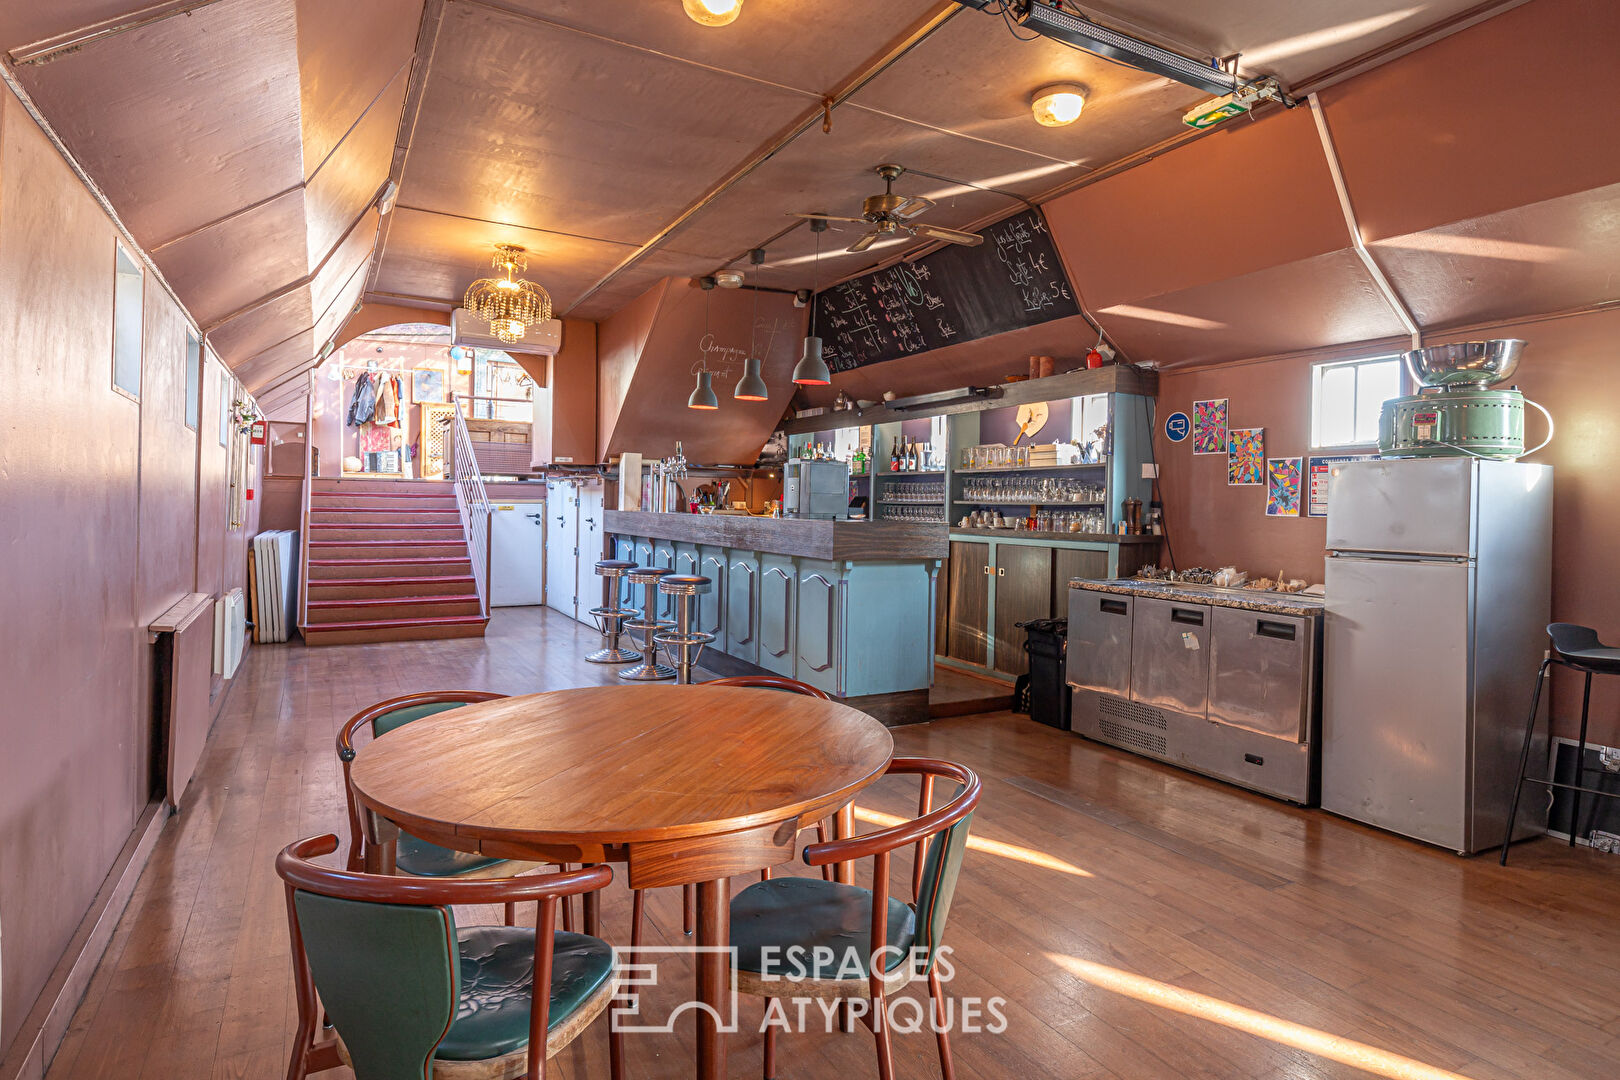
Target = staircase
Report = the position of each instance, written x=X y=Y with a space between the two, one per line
x=388 y=562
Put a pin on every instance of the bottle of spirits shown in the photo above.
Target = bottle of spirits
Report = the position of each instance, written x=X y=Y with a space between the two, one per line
x=894 y=457
x=911 y=455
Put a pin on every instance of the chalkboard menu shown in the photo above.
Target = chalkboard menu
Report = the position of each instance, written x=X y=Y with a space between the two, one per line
x=1013 y=279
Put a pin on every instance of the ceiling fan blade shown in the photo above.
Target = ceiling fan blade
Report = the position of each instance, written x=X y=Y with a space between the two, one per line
x=864 y=242
x=953 y=236
x=914 y=205
x=826 y=217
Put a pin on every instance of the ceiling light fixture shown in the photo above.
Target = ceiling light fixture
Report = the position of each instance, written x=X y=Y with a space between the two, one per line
x=703 y=393
x=712 y=12
x=728 y=279
x=1057 y=106
x=811 y=370
x=751 y=387
x=509 y=304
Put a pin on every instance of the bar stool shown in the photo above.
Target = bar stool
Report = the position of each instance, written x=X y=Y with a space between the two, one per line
x=1577 y=648
x=647 y=624
x=610 y=617
x=683 y=643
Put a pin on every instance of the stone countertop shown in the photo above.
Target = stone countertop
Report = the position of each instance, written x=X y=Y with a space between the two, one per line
x=811 y=538
x=1271 y=603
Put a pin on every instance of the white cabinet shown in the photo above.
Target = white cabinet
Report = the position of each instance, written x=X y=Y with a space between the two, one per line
x=592 y=538
x=562 y=541
x=517 y=542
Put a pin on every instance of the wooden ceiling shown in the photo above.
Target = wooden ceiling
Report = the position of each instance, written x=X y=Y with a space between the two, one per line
x=244 y=142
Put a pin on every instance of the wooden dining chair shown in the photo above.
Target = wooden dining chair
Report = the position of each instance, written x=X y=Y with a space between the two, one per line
x=409 y=994
x=689 y=892
x=785 y=929
x=413 y=855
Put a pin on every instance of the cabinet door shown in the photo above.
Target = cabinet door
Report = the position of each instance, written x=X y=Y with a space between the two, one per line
x=624 y=548
x=562 y=547
x=742 y=606
x=818 y=629
x=1071 y=563
x=968 y=638
x=1023 y=592
x=1170 y=655
x=711 y=606
x=776 y=615
x=942 y=607
x=1259 y=668
x=591 y=540
x=664 y=556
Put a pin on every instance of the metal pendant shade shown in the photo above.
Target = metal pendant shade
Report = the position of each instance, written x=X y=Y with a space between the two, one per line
x=751 y=387
x=703 y=394
x=811 y=369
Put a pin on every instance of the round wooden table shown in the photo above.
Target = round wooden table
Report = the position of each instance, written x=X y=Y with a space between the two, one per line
x=683 y=783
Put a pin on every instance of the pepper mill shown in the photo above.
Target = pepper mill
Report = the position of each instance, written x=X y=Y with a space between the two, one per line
x=1131 y=511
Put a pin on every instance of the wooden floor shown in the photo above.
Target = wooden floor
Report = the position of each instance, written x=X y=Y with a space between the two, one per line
x=1140 y=921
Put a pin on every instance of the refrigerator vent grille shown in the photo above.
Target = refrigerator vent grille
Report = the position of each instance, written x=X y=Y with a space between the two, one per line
x=1129 y=711
x=1132 y=737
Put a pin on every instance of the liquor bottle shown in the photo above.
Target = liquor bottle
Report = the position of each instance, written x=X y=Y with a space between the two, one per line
x=911 y=455
x=894 y=456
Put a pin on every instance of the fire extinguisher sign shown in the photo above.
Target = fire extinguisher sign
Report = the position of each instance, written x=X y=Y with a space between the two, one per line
x=261 y=432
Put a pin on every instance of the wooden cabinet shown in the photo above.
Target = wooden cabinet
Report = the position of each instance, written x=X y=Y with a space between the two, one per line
x=1023 y=586
x=818 y=637
x=742 y=605
x=1071 y=563
x=778 y=584
x=966 y=638
x=710 y=615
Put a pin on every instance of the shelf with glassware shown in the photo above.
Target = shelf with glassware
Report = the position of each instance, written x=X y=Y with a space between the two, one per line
x=1004 y=567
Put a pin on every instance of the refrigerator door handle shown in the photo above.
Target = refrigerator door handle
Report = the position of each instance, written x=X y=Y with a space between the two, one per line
x=1404 y=557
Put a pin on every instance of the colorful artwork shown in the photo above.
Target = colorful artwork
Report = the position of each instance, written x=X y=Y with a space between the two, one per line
x=1209 y=426
x=1246 y=456
x=428 y=386
x=1282 y=487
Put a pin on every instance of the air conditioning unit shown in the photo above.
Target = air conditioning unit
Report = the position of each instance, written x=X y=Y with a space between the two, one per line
x=543 y=339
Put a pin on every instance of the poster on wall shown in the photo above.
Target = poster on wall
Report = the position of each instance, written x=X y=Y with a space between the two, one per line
x=1209 y=426
x=1246 y=456
x=428 y=386
x=1321 y=469
x=1283 y=487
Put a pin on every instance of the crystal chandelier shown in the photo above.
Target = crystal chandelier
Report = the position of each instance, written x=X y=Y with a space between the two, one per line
x=509 y=304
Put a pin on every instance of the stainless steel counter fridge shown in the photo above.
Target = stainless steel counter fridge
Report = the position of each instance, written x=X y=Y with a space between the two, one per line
x=1221 y=681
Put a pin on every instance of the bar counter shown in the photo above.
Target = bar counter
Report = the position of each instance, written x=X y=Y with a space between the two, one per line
x=846 y=606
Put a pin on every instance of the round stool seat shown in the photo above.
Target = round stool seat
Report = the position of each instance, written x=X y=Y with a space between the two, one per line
x=614 y=567
x=683 y=584
x=647 y=575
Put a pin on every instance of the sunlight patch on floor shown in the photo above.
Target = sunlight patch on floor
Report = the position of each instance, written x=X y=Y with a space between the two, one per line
x=1286 y=1032
x=986 y=847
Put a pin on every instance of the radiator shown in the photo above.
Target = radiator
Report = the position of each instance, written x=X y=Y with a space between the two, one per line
x=230 y=625
x=275 y=584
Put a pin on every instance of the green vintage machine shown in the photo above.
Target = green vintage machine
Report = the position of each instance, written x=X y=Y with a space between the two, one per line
x=1455 y=412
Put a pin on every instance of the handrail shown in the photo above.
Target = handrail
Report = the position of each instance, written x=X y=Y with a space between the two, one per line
x=472 y=501
x=309 y=484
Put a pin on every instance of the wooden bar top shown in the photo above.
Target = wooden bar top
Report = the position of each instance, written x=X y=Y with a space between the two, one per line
x=807 y=538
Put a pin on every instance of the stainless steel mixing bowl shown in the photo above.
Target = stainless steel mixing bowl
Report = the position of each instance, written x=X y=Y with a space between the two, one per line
x=1466 y=364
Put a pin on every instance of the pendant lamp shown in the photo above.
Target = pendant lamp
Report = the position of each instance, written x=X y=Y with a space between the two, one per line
x=703 y=394
x=751 y=387
x=811 y=369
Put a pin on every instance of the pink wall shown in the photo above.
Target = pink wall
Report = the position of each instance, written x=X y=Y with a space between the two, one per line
x=103 y=529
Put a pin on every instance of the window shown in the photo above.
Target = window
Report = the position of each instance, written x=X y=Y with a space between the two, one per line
x=126 y=323
x=1346 y=398
x=193 y=380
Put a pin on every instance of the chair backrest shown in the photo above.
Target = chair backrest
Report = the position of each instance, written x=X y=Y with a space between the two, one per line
x=772 y=682
x=381 y=952
x=1572 y=637
x=940 y=836
x=386 y=716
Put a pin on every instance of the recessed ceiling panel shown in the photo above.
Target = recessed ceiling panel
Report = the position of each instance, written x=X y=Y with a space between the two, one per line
x=185 y=120
x=546 y=128
x=232 y=263
x=348 y=53
x=992 y=75
x=808 y=44
x=269 y=324
x=354 y=172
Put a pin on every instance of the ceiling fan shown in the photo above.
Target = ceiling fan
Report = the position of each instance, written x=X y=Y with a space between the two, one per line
x=889 y=213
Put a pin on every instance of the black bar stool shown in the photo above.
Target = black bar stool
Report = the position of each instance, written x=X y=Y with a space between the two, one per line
x=683 y=643
x=1577 y=648
x=647 y=624
x=610 y=617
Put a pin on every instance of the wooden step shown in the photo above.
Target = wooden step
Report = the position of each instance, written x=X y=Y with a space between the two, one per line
x=387 y=548
x=359 y=530
x=384 y=517
x=349 y=633
x=391 y=608
x=364 y=499
x=422 y=566
x=384 y=487
x=351 y=493
x=366 y=588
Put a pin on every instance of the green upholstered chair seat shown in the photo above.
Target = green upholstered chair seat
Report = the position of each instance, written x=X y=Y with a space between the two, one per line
x=497 y=975
x=414 y=855
x=813 y=915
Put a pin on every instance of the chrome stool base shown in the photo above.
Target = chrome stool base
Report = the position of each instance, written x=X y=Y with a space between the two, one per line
x=653 y=672
x=612 y=656
x=610 y=622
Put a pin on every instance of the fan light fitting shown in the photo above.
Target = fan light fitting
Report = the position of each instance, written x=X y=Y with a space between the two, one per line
x=712 y=12
x=509 y=304
x=1057 y=106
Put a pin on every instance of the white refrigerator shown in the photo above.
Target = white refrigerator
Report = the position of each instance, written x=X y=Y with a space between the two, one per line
x=1439 y=580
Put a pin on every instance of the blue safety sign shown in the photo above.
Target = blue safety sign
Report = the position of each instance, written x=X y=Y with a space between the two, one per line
x=1177 y=427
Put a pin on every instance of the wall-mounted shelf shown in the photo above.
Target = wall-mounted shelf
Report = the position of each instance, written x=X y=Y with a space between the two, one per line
x=1032 y=468
x=912 y=502
x=905 y=475
x=1023 y=502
